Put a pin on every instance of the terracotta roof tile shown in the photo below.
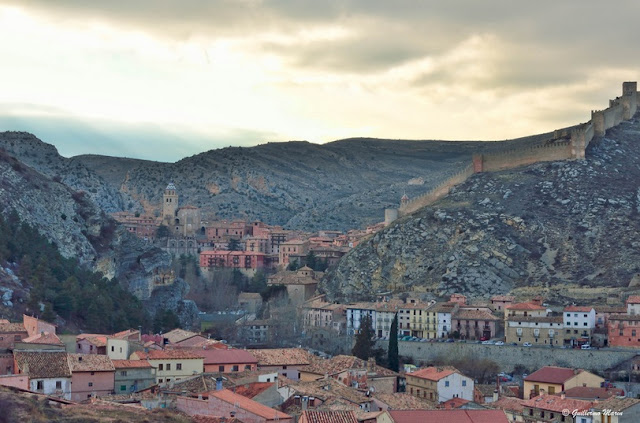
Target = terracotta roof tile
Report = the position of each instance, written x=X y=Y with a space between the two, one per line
x=181 y=353
x=312 y=416
x=341 y=363
x=552 y=374
x=503 y=298
x=453 y=403
x=557 y=404
x=233 y=356
x=131 y=364
x=449 y=416
x=464 y=314
x=539 y=319
x=248 y=404
x=508 y=403
x=281 y=356
x=327 y=389
x=251 y=390
x=625 y=317
x=616 y=403
x=90 y=363
x=177 y=335
x=433 y=373
x=43 y=364
x=634 y=299
x=199 y=418
x=44 y=338
x=585 y=392
x=11 y=327
x=525 y=306
x=403 y=401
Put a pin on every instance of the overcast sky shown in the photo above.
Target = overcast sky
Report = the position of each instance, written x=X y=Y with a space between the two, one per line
x=163 y=79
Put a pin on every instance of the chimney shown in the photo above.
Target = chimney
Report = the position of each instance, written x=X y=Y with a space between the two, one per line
x=218 y=384
x=542 y=392
x=562 y=395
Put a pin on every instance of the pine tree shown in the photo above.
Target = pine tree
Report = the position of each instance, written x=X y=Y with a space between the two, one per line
x=393 y=358
x=365 y=339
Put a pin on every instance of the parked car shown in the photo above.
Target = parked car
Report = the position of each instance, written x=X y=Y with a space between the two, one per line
x=450 y=340
x=514 y=343
x=499 y=343
x=526 y=344
x=484 y=338
x=487 y=342
x=585 y=347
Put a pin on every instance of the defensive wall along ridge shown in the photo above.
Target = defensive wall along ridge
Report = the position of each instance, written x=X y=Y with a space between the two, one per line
x=509 y=356
x=563 y=144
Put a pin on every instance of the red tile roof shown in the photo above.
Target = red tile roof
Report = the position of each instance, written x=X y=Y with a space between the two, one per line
x=593 y=393
x=233 y=356
x=131 y=364
x=449 y=416
x=43 y=338
x=503 y=298
x=168 y=354
x=11 y=327
x=465 y=314
x=551 y=374
x=248 y=405
x=312 y=416
x=43 y=364
x=508 y=403
x=432 y=373
x=525 y=306
x=251 y=390
x=453 y=403
x=634 y=299
x=557 y=404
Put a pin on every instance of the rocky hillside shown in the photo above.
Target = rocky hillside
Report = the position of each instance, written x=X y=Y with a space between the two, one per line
x=80 y=230
x=546 y=225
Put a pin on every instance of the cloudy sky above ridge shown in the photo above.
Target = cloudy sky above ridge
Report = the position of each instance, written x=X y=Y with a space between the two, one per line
x=162 y=79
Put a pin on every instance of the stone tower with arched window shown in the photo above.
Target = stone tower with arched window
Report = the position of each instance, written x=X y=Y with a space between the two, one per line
x=169 y=204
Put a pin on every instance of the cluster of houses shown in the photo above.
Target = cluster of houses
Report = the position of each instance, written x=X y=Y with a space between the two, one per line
x=237 y=244
x=523 y=323
x=197 y=376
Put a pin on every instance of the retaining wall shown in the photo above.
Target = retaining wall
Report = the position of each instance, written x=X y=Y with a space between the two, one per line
x=508 y=356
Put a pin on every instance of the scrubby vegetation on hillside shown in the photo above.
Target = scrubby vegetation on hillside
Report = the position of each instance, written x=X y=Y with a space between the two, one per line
x=59 y=285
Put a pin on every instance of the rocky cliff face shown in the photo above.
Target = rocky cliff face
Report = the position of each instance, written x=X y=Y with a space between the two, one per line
x=79 y=229
x=545 y=225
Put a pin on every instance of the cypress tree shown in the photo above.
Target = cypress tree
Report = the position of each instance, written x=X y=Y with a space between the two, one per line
x=393 y=358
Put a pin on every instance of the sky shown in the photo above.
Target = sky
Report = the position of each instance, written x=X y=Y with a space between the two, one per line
x=165 y=79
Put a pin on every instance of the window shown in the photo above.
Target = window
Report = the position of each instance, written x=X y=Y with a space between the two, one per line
x=160 y=366
x=284 y=367
x=113 y=348
x=93 y=373
x=247 y=367
x=16 y=338
x=221 y=369
x=464 y=383
x=39 y=385
x=90 y=383
x=446 y=383
x=234 y=368
x=160 y=380
x=168 y=366
x=123 y=388
x=123 y=373
x=179 y=366
x=58 y=384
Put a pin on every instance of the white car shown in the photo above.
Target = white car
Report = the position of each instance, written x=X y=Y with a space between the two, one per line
x=526 y=344
x=499 y=343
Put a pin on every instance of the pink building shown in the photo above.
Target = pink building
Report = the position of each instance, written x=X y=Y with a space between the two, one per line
x=286 y=361
x=501 y=302
x=228 y=361
x=91 y=375
x=88 y=343
x=624 y=330
x=474 y=324
x=35 y=326
x=458 y=298
x=294 y=247
x=227 y=404
x=10 y=333
x=232 y=259
x=142 y=226
x=224 y=230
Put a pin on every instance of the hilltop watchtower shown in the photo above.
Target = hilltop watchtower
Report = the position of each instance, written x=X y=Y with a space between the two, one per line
x=169 y=204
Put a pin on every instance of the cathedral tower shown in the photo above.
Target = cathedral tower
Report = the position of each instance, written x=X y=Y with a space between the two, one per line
x=169 y=204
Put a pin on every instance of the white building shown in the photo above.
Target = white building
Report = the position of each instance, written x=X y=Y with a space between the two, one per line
x=579 y=323
x=48 y=372
x=381 y=314
x=439 y=384
x=633 y=304
x=445 y=311
x=355 y=315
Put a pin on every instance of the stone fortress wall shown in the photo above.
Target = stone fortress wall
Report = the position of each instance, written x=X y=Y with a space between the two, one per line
x=563 y=144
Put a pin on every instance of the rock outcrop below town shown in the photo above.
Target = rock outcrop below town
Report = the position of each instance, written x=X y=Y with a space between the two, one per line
x=546 y=225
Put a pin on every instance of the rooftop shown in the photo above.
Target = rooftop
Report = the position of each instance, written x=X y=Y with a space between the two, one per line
x=43 y=364
x=281 y=356
x=503 y=298
x=616 y=403
x=181 y=353
x=433 y=373
x=251 y=390
x=43 y=338
x=584 y=392
x=11 y=327
x=90 y=363
x=227 y=356
x=508 y=403
x=552 y=374
x=634 y=299
x=465 y=314
x=449 y=416
x=248 y=405
x=402 y=401
x=131 y=364
x=557 y=404
x=627 y=317
x=177 y=335
x=539 y=319
x=312 y=416
x=525 y=306
x=342 y=363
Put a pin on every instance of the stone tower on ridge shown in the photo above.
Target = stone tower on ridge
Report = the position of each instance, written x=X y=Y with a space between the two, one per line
x=169 y=204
